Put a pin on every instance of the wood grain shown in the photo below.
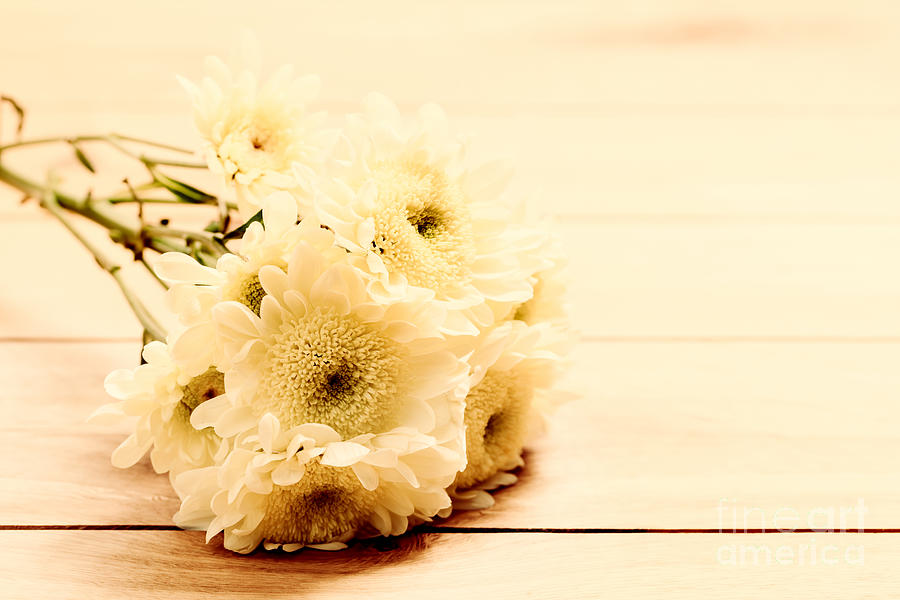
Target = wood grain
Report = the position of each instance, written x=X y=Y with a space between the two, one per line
x=624 y=112
x=725 y=177
x=708 y=166
x=665 y=435
x=177 y=565
x=500 y=55
x=685 y=280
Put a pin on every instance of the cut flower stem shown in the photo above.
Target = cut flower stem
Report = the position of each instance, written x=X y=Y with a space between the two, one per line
x=150 y=324
x=132 y=234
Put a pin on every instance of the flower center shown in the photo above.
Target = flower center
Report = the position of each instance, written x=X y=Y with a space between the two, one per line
x=203 y=387
x=496 y=423
x=332 y=369
x=259 y=142
x=326 y=503
x=250 y=293
x=422 y=226
x=538 y=308
x=427 y=223
x=255 y=142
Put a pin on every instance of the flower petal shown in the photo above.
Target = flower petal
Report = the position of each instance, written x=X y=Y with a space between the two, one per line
x=343 y=454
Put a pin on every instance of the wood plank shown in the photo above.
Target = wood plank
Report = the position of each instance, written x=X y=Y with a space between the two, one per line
x=609 y=168
x=715 y=279
x=726 y=172
x=59 y=291
x=734 y=279
x=500 y=55
x=173 y=565
x=664 y=435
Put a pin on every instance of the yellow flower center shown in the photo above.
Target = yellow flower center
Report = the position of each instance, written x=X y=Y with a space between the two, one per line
x=523 y=312
x=243 y=285
x=203 y=387
x=546 y=303
x=250 y=293
x=422 y=226
x=528 y=310
x=257 y=142
x=496 y=423
x=326 y=503
x=332 y=369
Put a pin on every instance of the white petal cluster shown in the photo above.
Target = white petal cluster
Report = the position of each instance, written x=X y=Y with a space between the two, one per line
x=407 y=204
x=160 y=396
x=328 y=374
x=256 y=135
x=195 y=289
x=372 y=353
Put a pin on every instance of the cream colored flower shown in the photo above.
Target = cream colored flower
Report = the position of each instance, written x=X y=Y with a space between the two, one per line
x=416 y=215
x=514 y=368
x=306 y=487
x=547 y=338
x=257 y=136
x=162 y=396
x=195 y=288
x=548 y=303
x=346 y=410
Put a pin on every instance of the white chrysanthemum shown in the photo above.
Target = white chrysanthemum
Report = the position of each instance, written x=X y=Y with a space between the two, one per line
x=346 y=411
x=514 y=368
x=548 y=339
x=413 y=213
x=195 y=288
x=258 y=136
x=306 y=487
x=162 y=396
x=547 y=262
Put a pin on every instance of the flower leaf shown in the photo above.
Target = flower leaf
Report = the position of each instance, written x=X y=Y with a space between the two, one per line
x=239 y=231
x=185 y=192
x=82 y=157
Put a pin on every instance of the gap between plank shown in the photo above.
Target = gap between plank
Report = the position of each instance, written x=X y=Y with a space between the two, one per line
x=674 y=219
x=539 y=109
x=590 y=338
x=67 y=340
x=440 y=529
x=731 y=219
x=743 y=339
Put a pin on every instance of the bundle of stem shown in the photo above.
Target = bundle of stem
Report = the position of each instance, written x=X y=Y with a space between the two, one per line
x=136 y=235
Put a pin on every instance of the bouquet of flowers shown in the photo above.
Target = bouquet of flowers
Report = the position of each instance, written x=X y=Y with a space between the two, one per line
x=370 y=347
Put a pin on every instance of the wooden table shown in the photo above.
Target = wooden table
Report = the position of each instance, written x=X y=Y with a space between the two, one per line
x=725 y=176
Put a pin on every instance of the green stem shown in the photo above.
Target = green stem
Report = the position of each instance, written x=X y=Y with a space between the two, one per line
x=212 y=245
x=115 y=140
x=128 y=199
x=20 y=183
x=115 y=137
x=150 y=324
x=20 y=112
x=206 y=249
x=53 y=140
x=132 y=199
x=171 y=163
x=128 y=138
x=150 y=270
x=131 y=236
